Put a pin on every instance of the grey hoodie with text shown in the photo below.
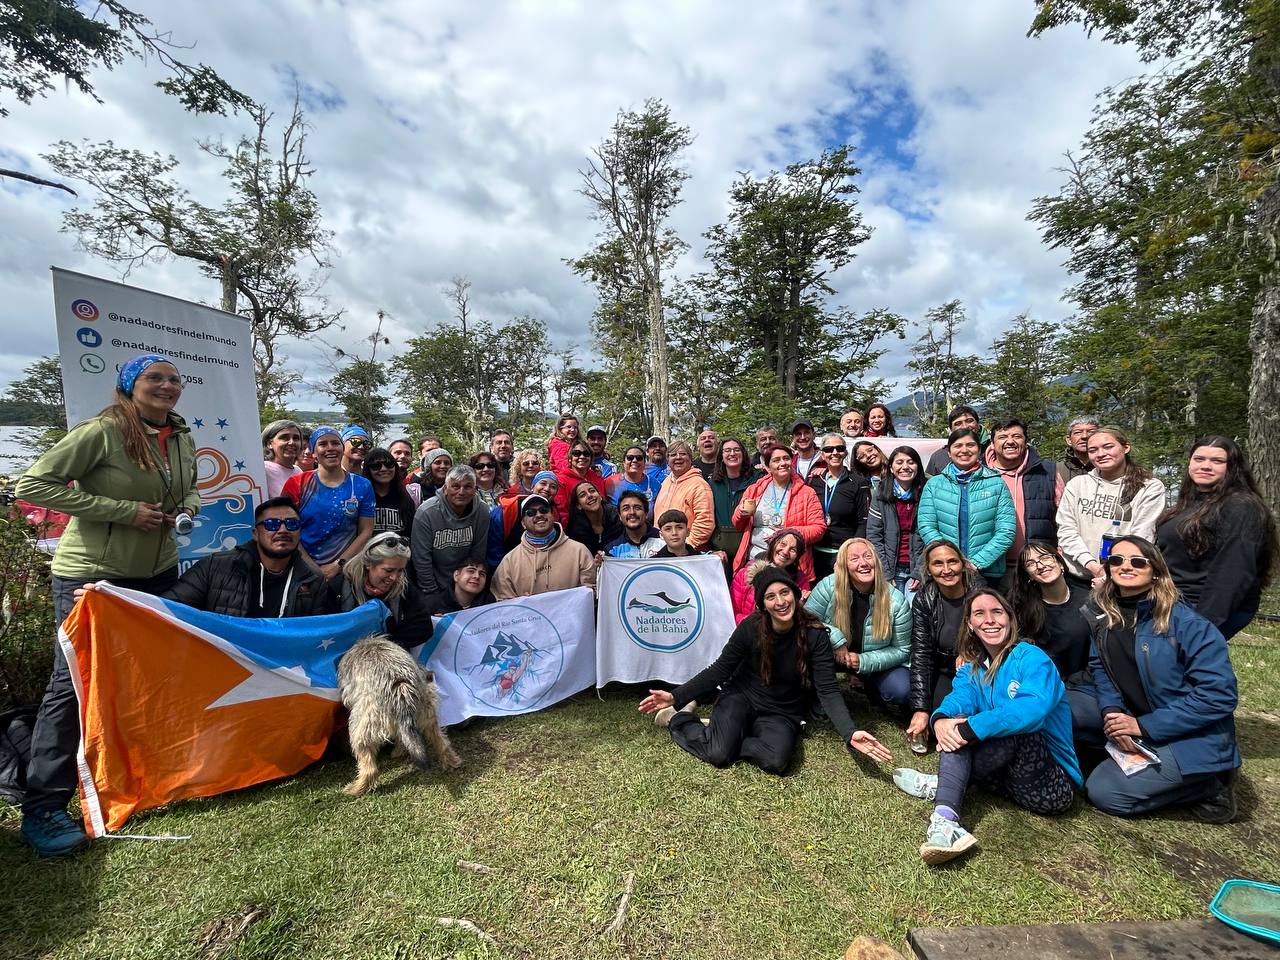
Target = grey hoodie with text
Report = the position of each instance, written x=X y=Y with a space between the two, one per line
x=442 y=540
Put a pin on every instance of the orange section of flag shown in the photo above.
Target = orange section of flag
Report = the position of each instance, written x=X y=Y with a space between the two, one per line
x=147 y=736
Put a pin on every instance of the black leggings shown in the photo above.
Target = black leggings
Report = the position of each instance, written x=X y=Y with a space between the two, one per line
x=738 y=732
x=1019 y=768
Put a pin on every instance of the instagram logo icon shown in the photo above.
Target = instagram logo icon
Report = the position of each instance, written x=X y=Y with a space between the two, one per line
x=84 y=309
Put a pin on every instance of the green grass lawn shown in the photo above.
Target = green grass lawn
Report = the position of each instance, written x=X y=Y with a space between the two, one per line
x=564 y=804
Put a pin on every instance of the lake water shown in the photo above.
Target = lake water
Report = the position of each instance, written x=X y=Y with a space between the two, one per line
x=14 y=457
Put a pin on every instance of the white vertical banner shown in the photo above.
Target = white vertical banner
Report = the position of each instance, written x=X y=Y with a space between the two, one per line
x=663 y=619
x=512 y=657
x=102 y=324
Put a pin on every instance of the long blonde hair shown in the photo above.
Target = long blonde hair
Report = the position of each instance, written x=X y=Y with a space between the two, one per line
x=881 y=596
x=1163 y=592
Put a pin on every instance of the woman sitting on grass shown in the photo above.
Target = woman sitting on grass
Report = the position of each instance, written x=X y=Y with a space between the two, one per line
x=869 y=620
x=1164 y=682
x=1005 y=725
x=767 y=675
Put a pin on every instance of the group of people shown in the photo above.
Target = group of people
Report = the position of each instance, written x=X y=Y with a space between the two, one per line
x=1024 y=614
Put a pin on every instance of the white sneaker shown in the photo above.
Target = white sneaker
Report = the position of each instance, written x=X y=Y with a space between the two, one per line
x=917 y=784
x=945 y=840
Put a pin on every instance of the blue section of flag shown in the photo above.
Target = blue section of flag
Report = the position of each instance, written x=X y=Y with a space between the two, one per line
x=314 y=644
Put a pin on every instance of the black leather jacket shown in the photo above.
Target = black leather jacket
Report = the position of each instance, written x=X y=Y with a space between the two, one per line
x=223 y=582
x=932 y=653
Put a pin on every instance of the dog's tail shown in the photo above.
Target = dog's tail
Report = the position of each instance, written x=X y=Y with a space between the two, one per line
x=404 y=704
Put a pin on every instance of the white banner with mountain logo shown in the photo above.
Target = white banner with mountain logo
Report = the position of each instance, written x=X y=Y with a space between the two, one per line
x=660 y=619
x=512 y=657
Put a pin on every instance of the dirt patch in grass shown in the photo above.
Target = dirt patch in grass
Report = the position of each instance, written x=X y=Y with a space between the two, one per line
x=1202 y=870
x=219 y=937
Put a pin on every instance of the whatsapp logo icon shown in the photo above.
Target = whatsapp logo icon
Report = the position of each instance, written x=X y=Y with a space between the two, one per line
x=92 y=363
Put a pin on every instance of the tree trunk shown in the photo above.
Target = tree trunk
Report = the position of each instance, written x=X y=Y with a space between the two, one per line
x=228 y=287
x=792 y=350
x=658 y=359
x=1264 y=378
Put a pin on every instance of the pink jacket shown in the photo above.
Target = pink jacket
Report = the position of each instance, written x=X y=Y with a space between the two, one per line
x=743 y=594
x=803 y=512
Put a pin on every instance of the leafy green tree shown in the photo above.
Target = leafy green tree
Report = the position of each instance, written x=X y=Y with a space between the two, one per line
x=38 y=392
x=633 y=182
x=264 y=244
x=1208 y=233
x=1025 y=363
x=942 y=376
x=772 y=264
x=44 y=42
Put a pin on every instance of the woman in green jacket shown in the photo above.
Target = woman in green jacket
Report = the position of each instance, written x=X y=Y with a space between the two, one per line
x=869 y=621
x=134 y=468
x=969 y=504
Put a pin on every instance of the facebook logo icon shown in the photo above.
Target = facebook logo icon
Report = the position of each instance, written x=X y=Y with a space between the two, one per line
x=89 y=336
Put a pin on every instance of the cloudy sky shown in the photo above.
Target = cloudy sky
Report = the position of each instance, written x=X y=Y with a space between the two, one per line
x=447 y=139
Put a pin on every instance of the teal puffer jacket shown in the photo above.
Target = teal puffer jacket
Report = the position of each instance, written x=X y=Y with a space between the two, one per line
x=992 y=522
x=877 y=655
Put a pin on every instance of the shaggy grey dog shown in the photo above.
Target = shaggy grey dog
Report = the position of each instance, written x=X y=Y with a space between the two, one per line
x=392 y=699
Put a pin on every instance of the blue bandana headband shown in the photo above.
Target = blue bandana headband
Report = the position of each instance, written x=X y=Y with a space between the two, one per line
x=130 y=372
x=319 y=432
x=353 y=430
x=546 y=475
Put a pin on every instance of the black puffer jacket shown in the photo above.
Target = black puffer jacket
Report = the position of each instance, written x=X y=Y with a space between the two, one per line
x=410 y=620
x=847 y=513
x=224 y=582
x=931 y=652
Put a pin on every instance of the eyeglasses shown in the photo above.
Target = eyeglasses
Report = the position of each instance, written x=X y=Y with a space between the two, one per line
x=172 y=379
x=272 y=524
x=1040 y=563
x=360 y=444
x=834 y=449
x=1117 y=560
x=383 y=465
x=535 y=511
x=634 y=458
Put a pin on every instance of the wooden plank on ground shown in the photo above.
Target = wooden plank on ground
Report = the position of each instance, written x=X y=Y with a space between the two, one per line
x=1171 y=940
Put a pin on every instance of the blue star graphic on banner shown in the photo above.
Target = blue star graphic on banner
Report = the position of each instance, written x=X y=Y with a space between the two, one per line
x=239 y=464
x=197 y=422
x=223 y=439
x=222 y=424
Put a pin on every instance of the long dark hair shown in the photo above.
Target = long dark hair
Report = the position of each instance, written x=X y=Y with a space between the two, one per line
x=397 y=489
x=804 y=621
x=718 y=472
x=1025 y=595
x=971 y=649
x=1198 y=529
x=889 y=429
x=887 y=478
x=127 y=417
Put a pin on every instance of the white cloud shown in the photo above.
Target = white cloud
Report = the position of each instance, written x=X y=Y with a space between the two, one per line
x=447 y=141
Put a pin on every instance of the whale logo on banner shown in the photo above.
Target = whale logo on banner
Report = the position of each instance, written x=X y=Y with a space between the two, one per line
x=660 y=619
x=660 y=607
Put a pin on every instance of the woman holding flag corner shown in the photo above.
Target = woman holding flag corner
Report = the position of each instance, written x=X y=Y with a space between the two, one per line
x=134 y=469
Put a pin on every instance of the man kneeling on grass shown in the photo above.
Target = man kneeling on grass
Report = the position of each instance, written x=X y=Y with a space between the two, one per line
x=767 y=673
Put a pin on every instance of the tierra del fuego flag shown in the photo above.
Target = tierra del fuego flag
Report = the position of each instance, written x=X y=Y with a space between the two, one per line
x=177 y=703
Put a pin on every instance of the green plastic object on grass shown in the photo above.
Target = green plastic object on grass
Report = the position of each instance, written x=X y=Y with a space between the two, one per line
x=1249 y=906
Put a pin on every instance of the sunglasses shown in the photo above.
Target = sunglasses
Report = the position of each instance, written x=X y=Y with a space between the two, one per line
x=834 y=449
x=634 y=458
x=1138 y=563
x=272 y=524
x=576 y=454
x=383 y=465
x=360 y=444
x=536 y=511
x=486 y=466
x=395 y=540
